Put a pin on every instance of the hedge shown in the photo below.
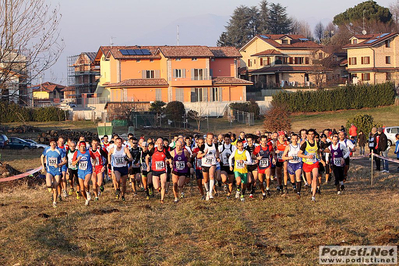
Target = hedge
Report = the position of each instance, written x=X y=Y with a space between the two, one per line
x=250 y=107
x=349 y=97
x=11 y=112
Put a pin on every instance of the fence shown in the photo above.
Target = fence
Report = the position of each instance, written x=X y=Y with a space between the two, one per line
x=240 y=117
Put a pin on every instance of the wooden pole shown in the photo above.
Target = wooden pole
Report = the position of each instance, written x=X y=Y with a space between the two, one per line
x=372 y=168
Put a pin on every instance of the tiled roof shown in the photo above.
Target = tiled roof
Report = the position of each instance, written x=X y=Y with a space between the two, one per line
x=373 y=69
x=268 y=52
x=220 y=52
x=69 y=88
x=91 y=56
x=115 y=51
x=297 y=41
x=372 y=40
x=186 y=51
x=140 y=83
x=47 y=86
x=230 y=80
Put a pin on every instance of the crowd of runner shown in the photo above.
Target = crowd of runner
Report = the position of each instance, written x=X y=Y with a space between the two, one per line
x=221 y=164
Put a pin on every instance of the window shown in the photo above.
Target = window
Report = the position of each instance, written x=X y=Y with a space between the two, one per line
x=365 y=60
x=138 y=60
x=291 y=60
x=285 y=41
x=178 y=59
x=387 y=43
x=199 y=74
x=216 y=95
x=307 y=60
x=387 y=59
x=261 y=61
x=354 y=41
x=150 y=74
x=179 y=73
x=158 y=94
x=194 y=59
x=151 y=60
x=352 y=61
x=320 y=55
x=298 y=60
x=388 y=76
x=199 y=95
x=366 y=76
x=249 y=63
x=254 y=61
x=180 y=94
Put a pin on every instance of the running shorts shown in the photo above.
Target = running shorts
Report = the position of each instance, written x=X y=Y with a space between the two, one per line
x=198 y=174
x=243 y=176
x=279 y=164
x=73 y=175
x=347 y=161
x=83 y=174
x=307 y=168
x=158 y=173
x=122 y=170
x=97 y=169
x=54 y=172
x=252 y=167
x=227 y=170
x=133 y=170
x=293 y=167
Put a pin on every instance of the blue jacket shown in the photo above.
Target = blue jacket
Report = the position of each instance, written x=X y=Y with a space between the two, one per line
x=397 y=149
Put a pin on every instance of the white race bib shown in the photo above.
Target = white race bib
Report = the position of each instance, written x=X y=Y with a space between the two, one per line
x=180 y=165
x=159 y=165
x=83 y=165
x=337 y=161
x=239 y=165
x=264 y=163
x=52 y=161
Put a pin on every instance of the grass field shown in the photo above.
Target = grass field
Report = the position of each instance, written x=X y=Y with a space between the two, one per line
x=279 y=230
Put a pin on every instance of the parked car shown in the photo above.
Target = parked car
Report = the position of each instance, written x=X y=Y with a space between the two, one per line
x=3 y=141
x=390 y=132
x=38 y=145
x=19 y=144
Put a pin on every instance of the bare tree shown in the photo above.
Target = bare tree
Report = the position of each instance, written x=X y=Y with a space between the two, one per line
x=198 y=117
x=319 y=31
x=301 y=27
x=30 y=44
x=394 y=9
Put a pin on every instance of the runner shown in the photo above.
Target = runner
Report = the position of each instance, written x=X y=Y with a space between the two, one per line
x=159 y=157
x=339 y=153
x=294 y=163
x=225 y=150
x=134 y=167
x=343 y=140
x=273 y=140
x=54 y=159
x=118 y=156
x=252 y=166
x=310 y=154
x=241 y=157
x=265 y=156
x=323 y=144
x=208 y=163
x=98 y=164
x=63 y=182
x=82 y=158
x=146 y=176
x=281 y=165
x=72 y=169
x=198 y=168
x=181 y=166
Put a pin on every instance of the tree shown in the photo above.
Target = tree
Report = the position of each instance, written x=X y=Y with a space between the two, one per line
x=277 y=118
x=30 y=44
x=301 y=27
x=319 y=31
x=175 y=111
x=157 y=107
x=279 y=23
x=198 y=117
x=394 y=9
x=376 y=17
x=363 y=123
x=263 y=18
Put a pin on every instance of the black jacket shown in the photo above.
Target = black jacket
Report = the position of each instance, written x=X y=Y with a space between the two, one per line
x=382 y=142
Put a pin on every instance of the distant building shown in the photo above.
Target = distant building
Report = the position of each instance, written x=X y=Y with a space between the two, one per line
x=373 y=58
x=47 y=94
x=83 y=74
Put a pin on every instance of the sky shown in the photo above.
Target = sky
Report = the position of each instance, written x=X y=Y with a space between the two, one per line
x=88 y=24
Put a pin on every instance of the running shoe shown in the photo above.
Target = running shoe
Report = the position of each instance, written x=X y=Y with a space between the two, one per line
x=147 y=197
x=182 y=195
x=237 y=194
x=207 y=196
x=123 y=198
x=339 y=192
x=77 y=194
x=268 y=192
x=54 y=204
x=263 y=196
x=176 y=200
x=102 y=188
x=202 y=197
x=96 y=199
x=251 y=196
x=117 y=192
x=162 y=202
x=64 y=194
x=88 y=195
x=50 y=190
x=242 y=198
x=210 y=196
x=225 y=188
x=313 y=199
x=59 y=198
x=318 y=190
x=298 y=195
x=342 y=187
x=228 y=196
x=71 y=192
x=87 y=202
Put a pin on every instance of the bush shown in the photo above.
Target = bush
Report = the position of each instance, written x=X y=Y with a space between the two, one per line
x=277 y=118
x=175 y=111
x=363 y=123
x=45 y=114
x=349 y=97
x=157 y=107
x=250 y=107
x=11 y=112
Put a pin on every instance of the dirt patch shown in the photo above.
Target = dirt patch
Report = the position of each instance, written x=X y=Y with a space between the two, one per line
x=301 y=236
x=278 y=216
x=7 y=170
x=43 y=215
x=387 y=238
x=102 y=212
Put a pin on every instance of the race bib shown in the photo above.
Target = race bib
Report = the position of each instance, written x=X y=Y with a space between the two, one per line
x=295 y=158
x=96 y=161
x=264 y=163
x=159 y=165
x=144 y=166
x=337 y=161
x=52 y=161
x=209 y=160
x=180 y=165
x=313 y=160
x=83 y=165
x=280 y=155
x=226 y=158
x=120 y=160
x=239 y=165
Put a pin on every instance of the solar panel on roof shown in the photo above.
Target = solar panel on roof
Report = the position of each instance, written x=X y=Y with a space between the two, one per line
x=304 y=39
x=371 y=41
x=131 y=52
x=146 y=52
x=124 y=52
x=264 y=36
x=138 y=52
x=383 y=35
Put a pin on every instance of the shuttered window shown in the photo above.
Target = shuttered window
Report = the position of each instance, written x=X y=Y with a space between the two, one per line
x=158 y=94
x=180 y=94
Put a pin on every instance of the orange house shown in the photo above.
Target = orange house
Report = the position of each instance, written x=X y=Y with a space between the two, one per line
x=170 y=73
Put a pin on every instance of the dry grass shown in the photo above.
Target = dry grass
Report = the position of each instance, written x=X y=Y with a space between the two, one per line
x=193 y=232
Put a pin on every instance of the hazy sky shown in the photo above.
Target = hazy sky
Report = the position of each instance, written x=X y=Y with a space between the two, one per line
x=88 y=24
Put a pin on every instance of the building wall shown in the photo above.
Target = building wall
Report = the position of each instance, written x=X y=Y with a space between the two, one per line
x=223 y=67
x=41 y=95
x=105 y=71
x=256 y=46
x=133 y=69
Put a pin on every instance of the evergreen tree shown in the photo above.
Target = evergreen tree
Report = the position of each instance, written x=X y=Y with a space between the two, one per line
x=279 y=23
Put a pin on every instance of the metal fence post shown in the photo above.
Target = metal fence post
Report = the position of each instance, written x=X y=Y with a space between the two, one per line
x=372 y=167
